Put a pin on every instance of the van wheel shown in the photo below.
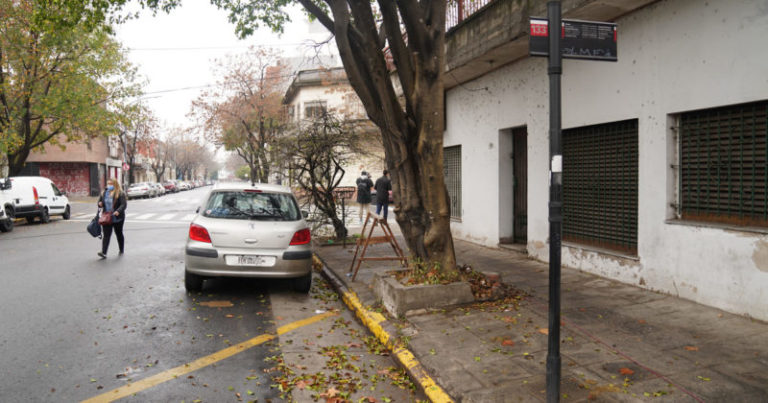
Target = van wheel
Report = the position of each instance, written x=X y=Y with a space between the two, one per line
x=7 y=224
x=303 y=284
x=66 y=214
x=44 y=216
x=193 y=282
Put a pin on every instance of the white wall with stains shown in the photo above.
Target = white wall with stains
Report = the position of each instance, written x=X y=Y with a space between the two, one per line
x=674 y=56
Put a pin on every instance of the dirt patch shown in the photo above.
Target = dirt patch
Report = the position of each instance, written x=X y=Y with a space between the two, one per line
x=760 y=256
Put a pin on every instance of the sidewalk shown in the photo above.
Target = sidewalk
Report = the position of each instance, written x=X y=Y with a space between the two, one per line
x=619 y=343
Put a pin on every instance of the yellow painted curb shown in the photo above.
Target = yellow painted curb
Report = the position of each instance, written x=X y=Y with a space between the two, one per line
x=373 y=321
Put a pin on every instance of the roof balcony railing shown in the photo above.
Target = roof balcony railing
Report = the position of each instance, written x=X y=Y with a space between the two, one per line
x=459 y=10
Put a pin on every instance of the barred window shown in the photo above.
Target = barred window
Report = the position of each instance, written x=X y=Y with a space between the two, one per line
x=723 y=170
x=600 y=175
x=314 y=109
x=452 y=170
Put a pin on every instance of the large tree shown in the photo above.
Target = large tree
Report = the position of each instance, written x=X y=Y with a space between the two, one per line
x=411 y=123
x=60 y=78
x=243 y=112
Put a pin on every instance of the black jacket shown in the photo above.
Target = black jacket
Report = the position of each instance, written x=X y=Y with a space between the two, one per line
x=383 y=186
x=364 y=185
x=118 y=204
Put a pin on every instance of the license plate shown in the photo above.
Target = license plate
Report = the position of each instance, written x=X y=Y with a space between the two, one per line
x=250 y=260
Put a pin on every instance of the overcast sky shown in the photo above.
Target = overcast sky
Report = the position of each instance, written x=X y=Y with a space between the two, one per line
x=175 y=51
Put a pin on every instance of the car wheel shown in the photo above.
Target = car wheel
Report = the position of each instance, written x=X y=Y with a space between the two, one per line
x=44 y=216
x=303 y=284
x=193 y=282
x=66 y=214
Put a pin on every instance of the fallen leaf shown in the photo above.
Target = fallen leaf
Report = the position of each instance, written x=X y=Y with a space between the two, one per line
x=507 y=342
x=641 y=321
x=229 y=315
x=301 y=384
x=330 y=393
x=544 y=331
x=691 y=348
x=217 y=304
x=704 y=379
x=626 y=371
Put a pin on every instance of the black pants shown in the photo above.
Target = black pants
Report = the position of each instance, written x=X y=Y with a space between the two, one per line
x=106 y=231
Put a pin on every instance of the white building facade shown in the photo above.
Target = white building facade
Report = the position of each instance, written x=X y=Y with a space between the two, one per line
x=665 y=172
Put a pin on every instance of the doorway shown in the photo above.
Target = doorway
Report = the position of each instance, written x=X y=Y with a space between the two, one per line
x=513 y=186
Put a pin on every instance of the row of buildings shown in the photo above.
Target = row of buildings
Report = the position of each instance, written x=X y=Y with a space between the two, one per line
x=83 y=168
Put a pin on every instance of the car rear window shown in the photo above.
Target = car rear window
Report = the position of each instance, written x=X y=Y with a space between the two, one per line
x=252 y=205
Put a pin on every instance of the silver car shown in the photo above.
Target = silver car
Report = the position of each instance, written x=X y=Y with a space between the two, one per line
x=245 y=230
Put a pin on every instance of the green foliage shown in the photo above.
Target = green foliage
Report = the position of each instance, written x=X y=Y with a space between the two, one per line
x=243 y=172
x=57 y=81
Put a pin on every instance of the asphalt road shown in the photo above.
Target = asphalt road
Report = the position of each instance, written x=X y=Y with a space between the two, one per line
x=75 y=327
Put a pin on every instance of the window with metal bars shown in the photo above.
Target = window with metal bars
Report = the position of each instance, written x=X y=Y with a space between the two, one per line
x=452 y=171
x=723 y=170
x=600 y=174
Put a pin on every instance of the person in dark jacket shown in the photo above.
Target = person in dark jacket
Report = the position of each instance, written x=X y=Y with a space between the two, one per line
x=113 y=200
x=364 y=186
x=383 y=186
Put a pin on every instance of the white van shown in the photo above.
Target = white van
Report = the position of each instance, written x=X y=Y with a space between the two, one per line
x=35 y=196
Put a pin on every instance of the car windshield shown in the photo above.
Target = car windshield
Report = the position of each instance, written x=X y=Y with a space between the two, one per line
x=252 y=205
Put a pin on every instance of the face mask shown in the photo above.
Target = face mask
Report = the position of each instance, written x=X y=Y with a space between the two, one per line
x=110 y=187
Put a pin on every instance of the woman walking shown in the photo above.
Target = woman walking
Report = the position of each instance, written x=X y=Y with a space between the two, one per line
x=113 y=201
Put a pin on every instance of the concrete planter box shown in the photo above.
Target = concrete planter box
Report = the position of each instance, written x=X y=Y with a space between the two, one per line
x=400 y=299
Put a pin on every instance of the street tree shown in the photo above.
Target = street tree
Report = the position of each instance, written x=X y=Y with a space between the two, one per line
x=138 y=137
x=243 y=112
x=58 y=82
x=412 y=32
x=317 y=153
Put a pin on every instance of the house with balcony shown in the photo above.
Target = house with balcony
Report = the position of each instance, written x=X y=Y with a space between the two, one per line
x=665 y=152
x=317 y=91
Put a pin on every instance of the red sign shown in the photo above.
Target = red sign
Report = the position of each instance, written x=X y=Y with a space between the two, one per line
x=539 y=28
x=126 y=167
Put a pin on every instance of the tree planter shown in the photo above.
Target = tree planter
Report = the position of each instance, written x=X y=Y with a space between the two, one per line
x=399 y=299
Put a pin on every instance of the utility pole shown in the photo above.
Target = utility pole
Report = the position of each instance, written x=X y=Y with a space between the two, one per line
x=555 y=72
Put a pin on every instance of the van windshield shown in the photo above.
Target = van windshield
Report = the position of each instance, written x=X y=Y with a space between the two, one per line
x=252 y=205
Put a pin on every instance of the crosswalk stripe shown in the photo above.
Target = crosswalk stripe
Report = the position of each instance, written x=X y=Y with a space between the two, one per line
x=189 y=217
x=145 y=216
x=129 y=215
x=166 y=216
x=83 y=215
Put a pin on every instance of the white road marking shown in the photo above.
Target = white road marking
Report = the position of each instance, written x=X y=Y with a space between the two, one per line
x=145 y=216
x=165 y=217
x=189 y=217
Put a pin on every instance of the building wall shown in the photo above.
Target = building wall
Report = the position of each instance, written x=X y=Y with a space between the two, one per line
x=71 y=177
x=674 y=56
x=98 y=152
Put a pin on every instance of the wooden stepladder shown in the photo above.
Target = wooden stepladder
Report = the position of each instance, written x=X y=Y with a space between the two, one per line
x=366 y=240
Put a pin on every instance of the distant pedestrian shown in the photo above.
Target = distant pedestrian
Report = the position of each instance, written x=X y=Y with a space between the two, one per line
x=364 y=186
x=383 y=187
x=113 y=201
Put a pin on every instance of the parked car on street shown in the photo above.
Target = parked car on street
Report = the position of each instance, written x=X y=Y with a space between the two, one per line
x=159 y=189
x=35 y=197
x=183 y=185
x=141 y=189
x=170 y=187
x=245 y=230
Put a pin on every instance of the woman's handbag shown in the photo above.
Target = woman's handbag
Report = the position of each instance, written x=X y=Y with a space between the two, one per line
x=93 y=227
x=105 y=218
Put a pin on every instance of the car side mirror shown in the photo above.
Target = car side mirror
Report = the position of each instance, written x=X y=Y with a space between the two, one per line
x=197 y=210
x=305 y=213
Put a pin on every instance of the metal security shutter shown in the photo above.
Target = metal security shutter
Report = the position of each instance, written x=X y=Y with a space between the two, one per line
x=600 y=185
x=452 y=170
x=724 y=174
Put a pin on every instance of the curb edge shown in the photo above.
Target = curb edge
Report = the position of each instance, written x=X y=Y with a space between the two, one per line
x=374 y=322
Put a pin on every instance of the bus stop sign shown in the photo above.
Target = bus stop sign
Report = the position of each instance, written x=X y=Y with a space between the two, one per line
x=588 y=40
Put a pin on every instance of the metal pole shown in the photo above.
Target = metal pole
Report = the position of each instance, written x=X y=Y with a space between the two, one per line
x=555 y=71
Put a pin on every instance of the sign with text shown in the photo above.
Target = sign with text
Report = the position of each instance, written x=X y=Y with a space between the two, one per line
x=587 y=40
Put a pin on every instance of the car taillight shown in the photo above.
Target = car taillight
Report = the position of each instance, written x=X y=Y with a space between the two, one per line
x=199 y=233
x=34 y=192
x=301 y=237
